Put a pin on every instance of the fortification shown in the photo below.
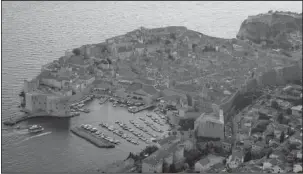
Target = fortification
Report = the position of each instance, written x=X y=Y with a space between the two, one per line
x=273 y=77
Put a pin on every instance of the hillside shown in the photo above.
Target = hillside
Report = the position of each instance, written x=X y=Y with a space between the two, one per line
x=273 y=30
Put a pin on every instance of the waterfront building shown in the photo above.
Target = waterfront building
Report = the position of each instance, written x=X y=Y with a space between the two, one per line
x=50 y=104
x=31 y=85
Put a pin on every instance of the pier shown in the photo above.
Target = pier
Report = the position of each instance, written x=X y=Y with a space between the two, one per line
x=91 y=138
x=139 y=109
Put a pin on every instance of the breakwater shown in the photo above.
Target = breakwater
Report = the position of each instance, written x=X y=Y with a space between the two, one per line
x=273 y=77
x=91 y=138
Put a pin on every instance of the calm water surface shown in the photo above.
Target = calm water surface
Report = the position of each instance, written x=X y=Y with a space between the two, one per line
x=34 y=33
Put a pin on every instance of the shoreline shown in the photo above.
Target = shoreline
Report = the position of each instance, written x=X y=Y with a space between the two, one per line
x=18 y=119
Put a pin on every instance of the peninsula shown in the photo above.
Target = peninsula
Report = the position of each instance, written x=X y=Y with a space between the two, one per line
x=216 y=93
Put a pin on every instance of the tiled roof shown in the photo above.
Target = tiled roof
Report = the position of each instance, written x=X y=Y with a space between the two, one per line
x=171 y=98
x=134 y=87
x=167 y=139
x=145 y=81
x=149 y=89
x=204 y=161
x=139 y=45
x=124 y=49
x=102 y=85
x=157 y=156
x=77 y=60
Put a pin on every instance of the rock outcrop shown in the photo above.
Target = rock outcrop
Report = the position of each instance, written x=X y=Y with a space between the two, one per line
x=273 y=29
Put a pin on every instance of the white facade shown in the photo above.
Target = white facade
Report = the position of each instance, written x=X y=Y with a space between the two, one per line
x=297 y=110
x=207 y=126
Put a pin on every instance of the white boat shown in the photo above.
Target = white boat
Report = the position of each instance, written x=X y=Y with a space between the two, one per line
x=35 y=129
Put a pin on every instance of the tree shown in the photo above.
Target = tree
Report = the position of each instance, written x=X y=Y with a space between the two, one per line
x=282 y=137
x=280 y=118
x=274 y=104
x=165 y=167
x=76 y=51
x=288 y=111
x=172 y=168
x=173 y=36
x=167 y=42
x=189 y=100
x=194 y=46
x=247 y=156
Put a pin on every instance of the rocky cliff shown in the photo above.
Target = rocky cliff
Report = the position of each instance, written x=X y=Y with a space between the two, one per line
x=274 y=30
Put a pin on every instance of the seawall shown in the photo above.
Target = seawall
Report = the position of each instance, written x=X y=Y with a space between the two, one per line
x=273 y=77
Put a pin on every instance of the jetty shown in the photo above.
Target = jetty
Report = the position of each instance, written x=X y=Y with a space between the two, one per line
x=139 y=109
x=88 y=136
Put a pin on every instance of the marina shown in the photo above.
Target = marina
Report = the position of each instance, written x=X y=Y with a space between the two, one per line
x=119 y=133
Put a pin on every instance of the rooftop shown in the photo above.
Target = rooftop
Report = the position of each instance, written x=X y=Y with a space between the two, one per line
x=149 y=89
x=167 y=139
x=157 y=156
x=297 y=108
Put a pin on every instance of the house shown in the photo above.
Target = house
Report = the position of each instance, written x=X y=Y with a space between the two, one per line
x=296 y=138
x=210 y=125
x=258 y=146
x=278 y=168
x=77 y=61
x=297 y=154
x=276 y=155
x=297 y=110
x=207 y=162
x=297 y=168
x=172 y=152
x=87 y=79
x=54 y=80
x=124 y=52
x=274 y=143
x=268 y=164
x=235 y=159
x=227 y=144
x=139 y=48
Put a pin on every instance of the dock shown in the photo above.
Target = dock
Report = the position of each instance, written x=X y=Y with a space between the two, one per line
x=92 y=138
x=139 y=109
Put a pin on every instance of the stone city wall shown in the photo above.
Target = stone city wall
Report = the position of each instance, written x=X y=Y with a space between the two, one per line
x=276 y=76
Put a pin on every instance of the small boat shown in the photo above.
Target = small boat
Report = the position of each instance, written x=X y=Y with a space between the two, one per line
x=35 y=129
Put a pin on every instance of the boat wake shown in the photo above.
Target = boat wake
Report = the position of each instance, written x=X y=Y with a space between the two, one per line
x=35 y=136
x=14 y=132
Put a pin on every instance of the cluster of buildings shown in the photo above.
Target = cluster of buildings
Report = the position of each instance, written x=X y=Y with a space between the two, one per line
x=271 y=130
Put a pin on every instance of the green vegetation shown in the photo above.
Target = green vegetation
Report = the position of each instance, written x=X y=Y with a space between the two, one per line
x=76 y=51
